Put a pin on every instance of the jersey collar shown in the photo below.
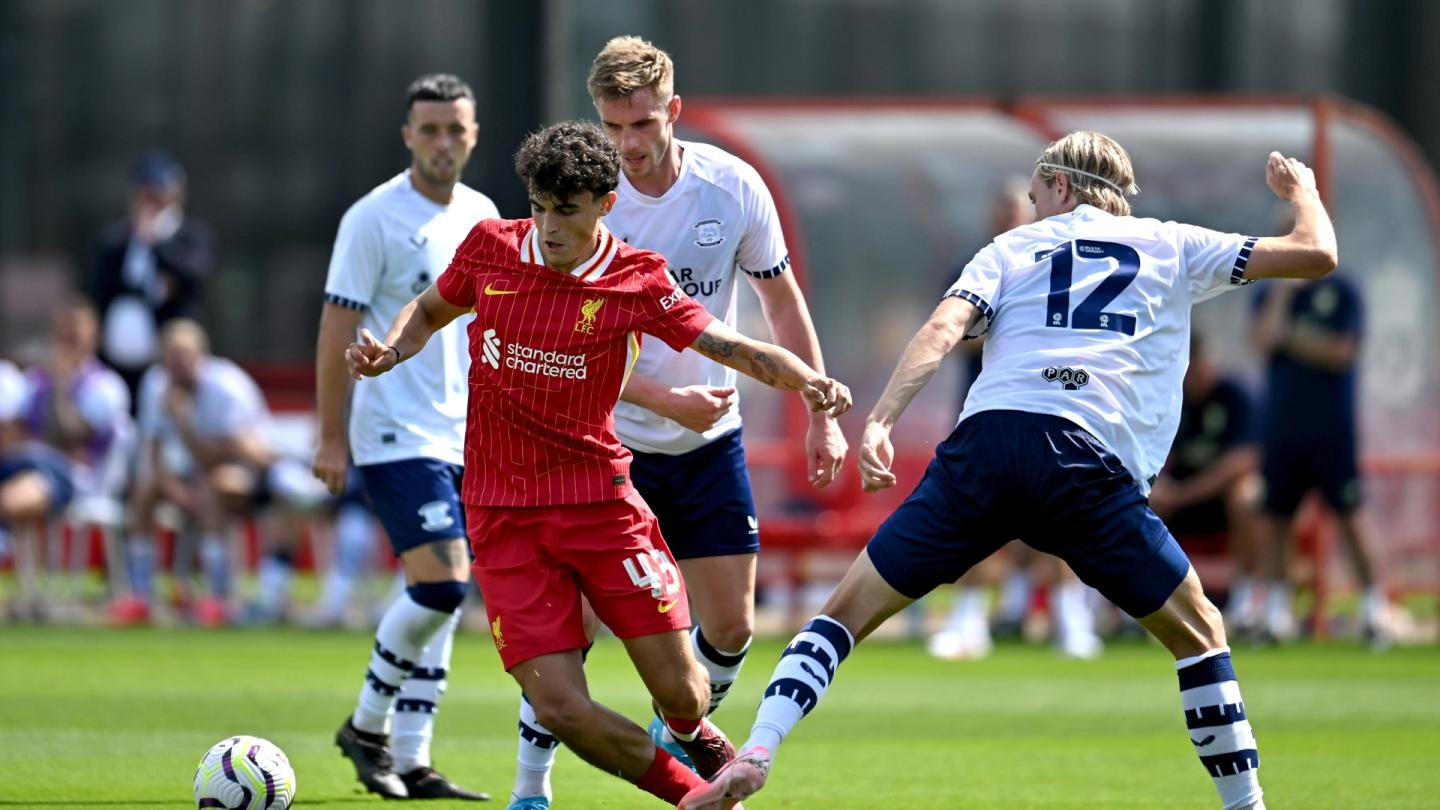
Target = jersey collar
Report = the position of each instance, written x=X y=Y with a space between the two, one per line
x=631 y=194
x=590 y=269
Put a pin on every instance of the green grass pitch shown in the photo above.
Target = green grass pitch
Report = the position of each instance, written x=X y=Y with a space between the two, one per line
x=119 y=719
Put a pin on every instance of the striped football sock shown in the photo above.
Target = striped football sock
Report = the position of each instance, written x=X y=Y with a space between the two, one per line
x=1215 y=716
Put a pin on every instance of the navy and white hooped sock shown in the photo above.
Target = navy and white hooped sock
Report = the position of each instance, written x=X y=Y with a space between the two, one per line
x=1219 y=730
x=535 y=757
x=723 y=667
x=419 y=700
x=399 y=640
x=806 y=670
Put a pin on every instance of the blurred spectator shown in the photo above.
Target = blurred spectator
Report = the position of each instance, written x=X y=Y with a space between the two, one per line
x=13 y=393
x=149 y=268
x=1207 y=490
x=36 y=483
x=1309 y=333
x=77 y=424
x=205 y=452
x=78 y=406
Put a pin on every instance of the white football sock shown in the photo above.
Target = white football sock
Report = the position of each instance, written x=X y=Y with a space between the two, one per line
x=535 y=758
x=804 y=673
x=419 y=700
x=403 y=633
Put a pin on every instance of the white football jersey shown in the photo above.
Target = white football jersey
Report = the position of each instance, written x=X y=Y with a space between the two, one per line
x=718 y=217
x=1088 y=318
x=393 y=243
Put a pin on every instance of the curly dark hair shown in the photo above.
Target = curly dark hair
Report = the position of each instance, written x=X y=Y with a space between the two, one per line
x=569 y=157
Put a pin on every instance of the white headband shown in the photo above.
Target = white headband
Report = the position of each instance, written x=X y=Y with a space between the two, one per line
x=1057 y=167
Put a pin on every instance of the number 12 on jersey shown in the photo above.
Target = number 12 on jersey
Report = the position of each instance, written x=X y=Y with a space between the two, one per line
x=1090 y=313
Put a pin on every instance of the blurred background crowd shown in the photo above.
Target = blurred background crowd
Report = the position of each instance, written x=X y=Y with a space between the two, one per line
x=174 y=171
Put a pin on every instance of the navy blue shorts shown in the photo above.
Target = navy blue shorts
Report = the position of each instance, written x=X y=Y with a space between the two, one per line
x=1293 y=467
x=702 y=498
x=49 y=465
x=417 y=501
x=1003 y=475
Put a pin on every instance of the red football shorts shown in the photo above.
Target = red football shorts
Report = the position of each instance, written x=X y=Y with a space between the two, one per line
x=533 y=563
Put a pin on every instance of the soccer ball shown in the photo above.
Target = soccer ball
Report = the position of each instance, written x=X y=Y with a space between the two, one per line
x=244 y=773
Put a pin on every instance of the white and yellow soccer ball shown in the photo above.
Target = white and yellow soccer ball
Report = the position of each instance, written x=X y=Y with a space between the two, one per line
x=244 y=773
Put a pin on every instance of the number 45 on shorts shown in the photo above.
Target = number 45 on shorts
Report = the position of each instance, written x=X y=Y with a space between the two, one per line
x=653 y=569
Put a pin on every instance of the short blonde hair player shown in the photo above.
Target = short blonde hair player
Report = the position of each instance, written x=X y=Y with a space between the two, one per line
x=1087 y=312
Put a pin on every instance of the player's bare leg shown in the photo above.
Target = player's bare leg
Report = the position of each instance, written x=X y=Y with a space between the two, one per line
x=24 y=500
x=1073 y=614
x=860 y=604
x=1374 y=604
x=965 y=634
x=1191 y=628
x=557 y=691
x=1244 y=528
x=221 y=501
x=671 y=674
x=722 y=602
x=538 y=746
x=1278 y=539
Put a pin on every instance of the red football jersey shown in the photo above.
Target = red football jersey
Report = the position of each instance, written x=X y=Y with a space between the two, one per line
x=550 y=352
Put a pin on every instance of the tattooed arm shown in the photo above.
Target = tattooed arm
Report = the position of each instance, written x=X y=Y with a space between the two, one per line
x=772 y=365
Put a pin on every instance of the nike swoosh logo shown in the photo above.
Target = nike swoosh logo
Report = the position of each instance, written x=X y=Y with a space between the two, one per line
x=492 y=291
x=664 y=607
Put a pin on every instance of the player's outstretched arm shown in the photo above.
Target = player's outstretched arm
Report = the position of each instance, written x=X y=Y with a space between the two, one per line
x=417 y=321
x=1310 y=249
x=772 y=365
x=917 y=365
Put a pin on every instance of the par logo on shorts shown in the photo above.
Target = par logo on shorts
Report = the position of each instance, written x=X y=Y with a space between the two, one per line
x=754 y=524
x=490 y=348
x=435 y=516
x=1071 y=379
x=708 y=233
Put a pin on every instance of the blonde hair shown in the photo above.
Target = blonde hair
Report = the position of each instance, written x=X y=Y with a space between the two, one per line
x=628 y=64
x=185 y=333
x=1098 y=168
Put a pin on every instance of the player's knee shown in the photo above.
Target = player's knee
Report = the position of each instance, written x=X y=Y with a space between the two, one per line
x=729 y=636
x=687 y=695
x=438 y=560
x=442 y=597
x=24 y=497
x=565 y=714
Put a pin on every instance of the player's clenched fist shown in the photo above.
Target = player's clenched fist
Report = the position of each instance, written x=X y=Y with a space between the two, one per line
x=1286 y=175
x=370 y=357
x=826 y=394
